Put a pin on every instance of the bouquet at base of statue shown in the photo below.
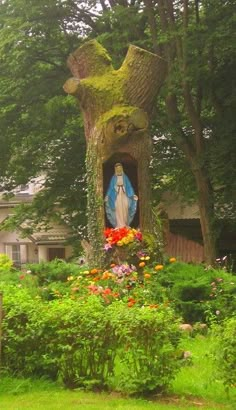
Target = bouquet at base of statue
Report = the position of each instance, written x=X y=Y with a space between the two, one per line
x=121 y=236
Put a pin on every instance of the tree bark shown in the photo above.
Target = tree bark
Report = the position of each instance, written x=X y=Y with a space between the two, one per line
x=206 y=210
x=116 y=105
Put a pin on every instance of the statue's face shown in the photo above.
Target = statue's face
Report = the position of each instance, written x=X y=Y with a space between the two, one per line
x=119 y=170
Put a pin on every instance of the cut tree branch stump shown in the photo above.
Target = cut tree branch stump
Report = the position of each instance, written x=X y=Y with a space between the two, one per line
x=116 y=106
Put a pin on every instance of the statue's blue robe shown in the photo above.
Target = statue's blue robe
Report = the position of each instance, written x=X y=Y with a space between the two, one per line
x=112 y=195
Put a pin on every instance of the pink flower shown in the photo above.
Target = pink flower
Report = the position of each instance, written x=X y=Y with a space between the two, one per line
x=139 y=236
x=107 y=246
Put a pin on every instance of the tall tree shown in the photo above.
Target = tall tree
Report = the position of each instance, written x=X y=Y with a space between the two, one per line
x=190 y=50
x=115 y=106
x=42 y=132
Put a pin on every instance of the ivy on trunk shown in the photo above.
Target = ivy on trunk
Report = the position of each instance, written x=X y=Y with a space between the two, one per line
x=116 y=105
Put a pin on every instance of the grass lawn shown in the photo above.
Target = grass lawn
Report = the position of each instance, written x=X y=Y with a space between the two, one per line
x=195 y=387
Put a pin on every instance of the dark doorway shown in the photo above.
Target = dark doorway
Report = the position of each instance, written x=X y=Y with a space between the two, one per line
x=54 y=253
x=130 y=169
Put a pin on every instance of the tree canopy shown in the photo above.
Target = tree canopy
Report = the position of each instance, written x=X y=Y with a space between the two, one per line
x=193 y=122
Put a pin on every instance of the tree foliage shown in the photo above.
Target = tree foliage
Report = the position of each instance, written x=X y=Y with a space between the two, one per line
x=41 y=131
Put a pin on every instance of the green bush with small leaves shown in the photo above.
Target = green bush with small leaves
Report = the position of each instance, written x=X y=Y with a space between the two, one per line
x=225 y=351
x=198 y=293
x=56 y=270
x=148 y=347
x=5 y=263
x=81 y=341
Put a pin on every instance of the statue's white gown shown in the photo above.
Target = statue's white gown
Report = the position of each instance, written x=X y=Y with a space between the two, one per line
x=121 y=204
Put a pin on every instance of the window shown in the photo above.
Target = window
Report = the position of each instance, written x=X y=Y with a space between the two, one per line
x=16 y=254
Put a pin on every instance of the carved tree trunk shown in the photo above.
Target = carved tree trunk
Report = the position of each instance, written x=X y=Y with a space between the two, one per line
x=115 y=105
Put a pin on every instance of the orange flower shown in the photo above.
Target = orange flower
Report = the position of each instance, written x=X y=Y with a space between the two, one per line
x=141 y=264
x=131 y=302
x=107 y=291
x=172 y=260
x=94 y=271
x=112 y=265
x=106 y=275
x=159 y=267
x=147 y=275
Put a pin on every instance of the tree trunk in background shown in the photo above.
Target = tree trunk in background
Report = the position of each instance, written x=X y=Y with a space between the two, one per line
x=206 y=211
x=116 y=105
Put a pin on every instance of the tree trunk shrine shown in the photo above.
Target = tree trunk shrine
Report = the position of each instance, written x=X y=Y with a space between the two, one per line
x=116 y=105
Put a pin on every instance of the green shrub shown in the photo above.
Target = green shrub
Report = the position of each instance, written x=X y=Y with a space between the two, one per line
x=21 y=344
x=198 y=293
x=225 y=351
x=5 y=263
x=56 y=270
x=57 y=338
x=80 y=341
x=148 y=353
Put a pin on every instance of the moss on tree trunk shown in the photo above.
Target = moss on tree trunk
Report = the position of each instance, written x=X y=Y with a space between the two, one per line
x=116 y=105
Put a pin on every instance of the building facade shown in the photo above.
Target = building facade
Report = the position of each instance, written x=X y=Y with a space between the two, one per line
x=38 y=247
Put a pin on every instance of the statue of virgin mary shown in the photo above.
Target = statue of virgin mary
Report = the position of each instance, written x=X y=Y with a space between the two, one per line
x=120 y=199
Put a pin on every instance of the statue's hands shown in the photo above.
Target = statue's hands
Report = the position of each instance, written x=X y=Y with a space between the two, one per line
x=106 y=198
x=135 y=197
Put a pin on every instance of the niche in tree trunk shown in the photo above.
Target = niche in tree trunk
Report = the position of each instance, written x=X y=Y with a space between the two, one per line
x=116 y=105
x=130 y=169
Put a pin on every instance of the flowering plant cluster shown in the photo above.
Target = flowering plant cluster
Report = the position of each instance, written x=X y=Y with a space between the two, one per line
x=121 y=236
x=124 y=270
x=134 y=284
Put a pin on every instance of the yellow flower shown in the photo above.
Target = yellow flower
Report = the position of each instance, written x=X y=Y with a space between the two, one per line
x=86 y=272
x=147 y=275
x=172 y=260
x=159 y=267
x=70 y=278
x=145 y=258
x=119 y=243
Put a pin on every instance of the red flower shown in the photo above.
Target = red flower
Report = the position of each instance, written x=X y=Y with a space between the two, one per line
x=107 y=291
